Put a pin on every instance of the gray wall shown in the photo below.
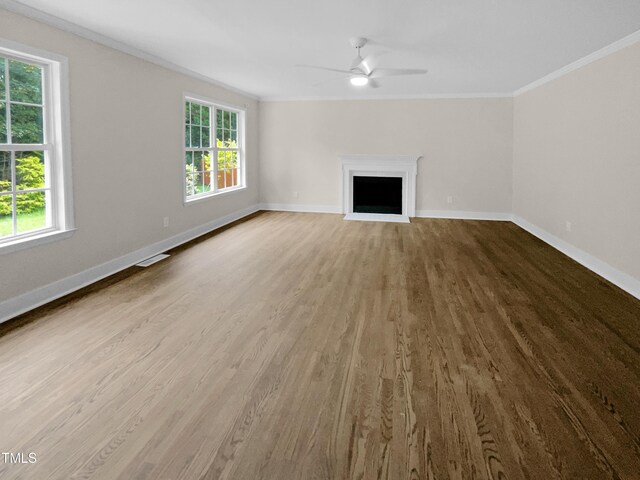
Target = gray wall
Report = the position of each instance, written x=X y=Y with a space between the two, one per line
x=577 y=158
x=126 y=142
x=466 y=146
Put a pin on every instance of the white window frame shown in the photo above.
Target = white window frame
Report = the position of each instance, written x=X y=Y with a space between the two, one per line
x=56 y=146
x=242 y=177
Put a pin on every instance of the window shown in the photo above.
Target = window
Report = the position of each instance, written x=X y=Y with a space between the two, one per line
x=214 y=160
x=32 y=173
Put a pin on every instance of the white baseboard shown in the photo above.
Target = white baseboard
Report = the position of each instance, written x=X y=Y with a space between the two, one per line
x=377 y=217
x=288 y=207
x=23 y=303
x=463 y=215
x=28 y=301
x=626 y=282
x=453 y=214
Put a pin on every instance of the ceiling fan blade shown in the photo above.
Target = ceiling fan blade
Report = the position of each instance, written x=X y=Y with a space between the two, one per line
x=370 y=62
x=391 y=72
x=324 y=68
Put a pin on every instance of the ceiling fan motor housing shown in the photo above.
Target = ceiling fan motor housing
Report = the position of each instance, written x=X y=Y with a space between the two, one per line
x=358 y=42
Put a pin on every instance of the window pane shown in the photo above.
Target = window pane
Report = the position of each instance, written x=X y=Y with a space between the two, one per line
x=25 y=84
x=220 y=179
x=233 y=138
x=221 y=160
x=205 y=116
x=233 y=161
x=187 y=136
x=195 y=137
x=195 y=114
x=227 y=120
x=234 y=120
x=3 y=63
x=187 y=112
x=26 y=124
x=197 y=182
x=189 y=161
x=5 y=172
x=30 y=211
x=204 y=137
x=206 y=161
x=206 y=182
x=30 y=173
x=233 y=177
x=191 y=190
x=6 y=215
x=197 y=161
x=3 y=122
x=219 y=119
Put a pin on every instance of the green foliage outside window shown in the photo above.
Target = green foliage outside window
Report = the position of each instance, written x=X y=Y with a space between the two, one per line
x=25 y=88
x=30 y=174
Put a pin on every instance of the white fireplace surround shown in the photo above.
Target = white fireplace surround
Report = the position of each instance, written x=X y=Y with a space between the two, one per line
x=403 y=166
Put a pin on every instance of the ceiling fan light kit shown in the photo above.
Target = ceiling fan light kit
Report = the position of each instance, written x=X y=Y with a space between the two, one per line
x=359 y=80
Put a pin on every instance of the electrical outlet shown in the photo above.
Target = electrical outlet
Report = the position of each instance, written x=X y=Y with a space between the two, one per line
x=165 y=222
x=449 y=199
x=567 y=225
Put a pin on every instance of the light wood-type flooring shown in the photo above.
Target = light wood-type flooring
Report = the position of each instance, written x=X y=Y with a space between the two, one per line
x=302 y=346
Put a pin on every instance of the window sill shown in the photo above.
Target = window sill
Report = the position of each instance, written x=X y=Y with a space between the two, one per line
x=35 y=240
x=199 y=198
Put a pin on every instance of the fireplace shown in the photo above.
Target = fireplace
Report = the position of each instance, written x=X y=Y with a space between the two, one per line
x=377 y=195
x=379 y=188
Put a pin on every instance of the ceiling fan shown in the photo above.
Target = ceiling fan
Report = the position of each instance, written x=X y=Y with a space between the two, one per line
x=364 y=70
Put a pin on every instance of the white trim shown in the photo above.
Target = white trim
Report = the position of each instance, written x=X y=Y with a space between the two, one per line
x=57 y=22
x=464 y=215
x=409 y=96
x=57 y=143
x=403 y=166
x=199 y=198
x=592 y=57
x=28 y=301
x=23 y=303
x=83 y=32
x=22 y=243
x=623 y=280
x=196 y=97
x=450 y=214
x=241 y=112
x=65 y=25
x=626 y=282
x=377 y=217
x=287 y=207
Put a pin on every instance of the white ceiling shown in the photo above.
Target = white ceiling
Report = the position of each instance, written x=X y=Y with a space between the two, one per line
x=469 y=46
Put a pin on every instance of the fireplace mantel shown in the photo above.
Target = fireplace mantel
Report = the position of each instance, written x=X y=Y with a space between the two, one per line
x=404 y=166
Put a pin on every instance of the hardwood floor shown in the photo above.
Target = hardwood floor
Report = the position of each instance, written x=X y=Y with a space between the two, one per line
x=301 y=346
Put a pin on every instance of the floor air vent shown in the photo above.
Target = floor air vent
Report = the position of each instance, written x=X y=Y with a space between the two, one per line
x=152 y=260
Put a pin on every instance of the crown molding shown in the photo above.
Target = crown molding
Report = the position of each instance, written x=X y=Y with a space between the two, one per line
x=69 y=27
x=57 y=22
x=592 y=57
x=428 y=96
